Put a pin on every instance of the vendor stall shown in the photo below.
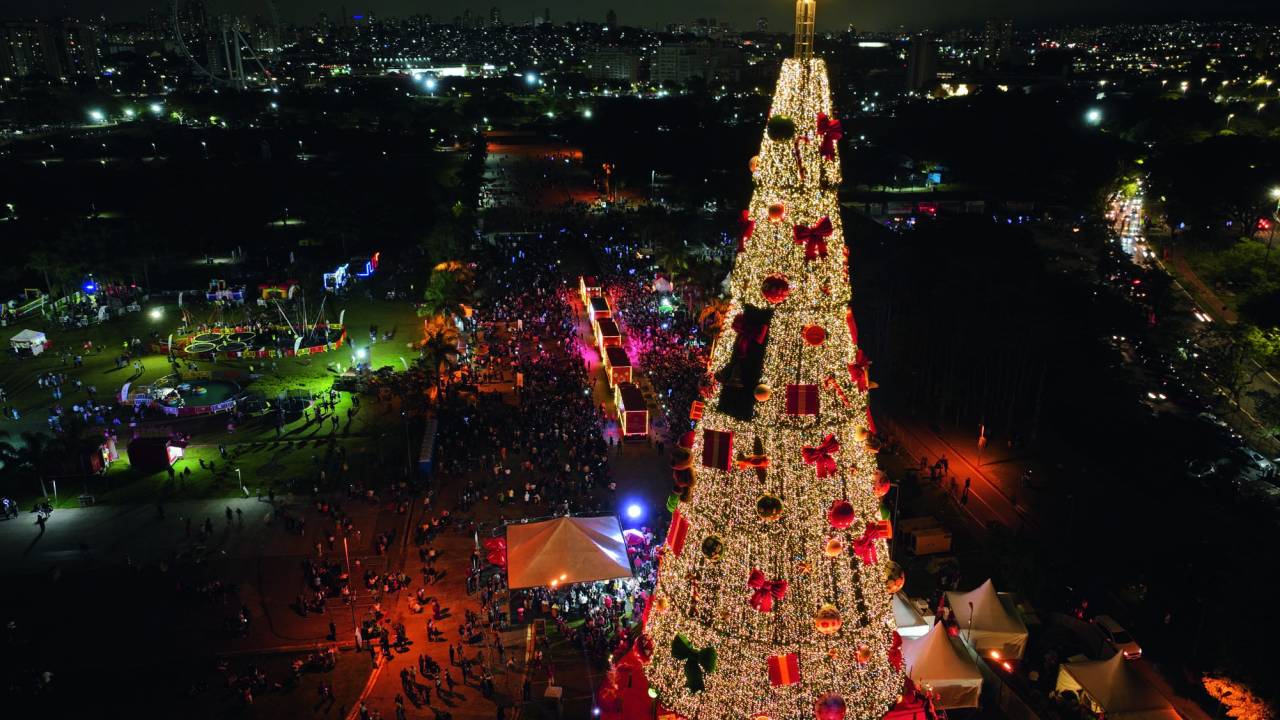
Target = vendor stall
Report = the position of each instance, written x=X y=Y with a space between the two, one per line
x=937 y=663
x=607 y=333
x=1115 y=688
x=32 y=342
x=988 y=621
x=633 y=414
x=564 y=551
x=598 y=308
x=588 y=287
x=150 y=454
x=617 y=365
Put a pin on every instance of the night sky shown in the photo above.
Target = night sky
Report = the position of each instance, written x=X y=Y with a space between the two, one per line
x=832 y=14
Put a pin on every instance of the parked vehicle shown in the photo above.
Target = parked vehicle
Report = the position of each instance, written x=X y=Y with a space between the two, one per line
x=1114 y=634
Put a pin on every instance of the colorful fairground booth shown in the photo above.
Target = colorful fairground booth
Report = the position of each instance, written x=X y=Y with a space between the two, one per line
x=607 y=333
x=633 y=414
x=588 y=287
x=598 y=307
x=150 y=454
x=617 y=365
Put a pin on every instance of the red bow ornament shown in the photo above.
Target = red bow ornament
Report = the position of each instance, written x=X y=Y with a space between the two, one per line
x=764 y=590
x=858 y=371
x=831 y=131
x=749 y=333
x=895 y=651
x=820 y=456
x=748 y=227
x=813 y=238
x=865 y=546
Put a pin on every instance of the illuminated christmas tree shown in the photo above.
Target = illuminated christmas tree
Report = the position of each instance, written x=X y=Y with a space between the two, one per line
x=774 y=592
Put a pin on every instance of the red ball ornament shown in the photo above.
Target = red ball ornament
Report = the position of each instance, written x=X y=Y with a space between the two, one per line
x=813 y=335
x=882 y=484
x=830 y=707
x=775 y=288
x=840 y=514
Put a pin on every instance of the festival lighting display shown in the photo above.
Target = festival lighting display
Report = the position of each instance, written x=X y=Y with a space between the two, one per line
x=774 y=592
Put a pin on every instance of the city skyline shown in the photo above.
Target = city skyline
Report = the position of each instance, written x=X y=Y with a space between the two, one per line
x=836 y=15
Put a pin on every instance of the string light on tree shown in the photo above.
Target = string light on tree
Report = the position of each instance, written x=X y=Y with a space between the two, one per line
x=773 y=599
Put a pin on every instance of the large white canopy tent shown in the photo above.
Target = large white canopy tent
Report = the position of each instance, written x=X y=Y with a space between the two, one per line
x=564 y=551
x=1115 y=688
x=32 y=341
x=911 y=624
x=988 y=621
x=935 y=663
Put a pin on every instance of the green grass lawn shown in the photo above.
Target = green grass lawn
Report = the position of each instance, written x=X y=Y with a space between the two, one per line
x=263 y=459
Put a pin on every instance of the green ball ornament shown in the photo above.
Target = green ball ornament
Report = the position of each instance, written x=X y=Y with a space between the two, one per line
x=781 y=127
x=769 y=507
x=712 y=547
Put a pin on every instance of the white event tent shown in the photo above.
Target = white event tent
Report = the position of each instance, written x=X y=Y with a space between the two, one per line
x=935 y=663
x=988 y=621
x=1115 y=688
x=564 y=551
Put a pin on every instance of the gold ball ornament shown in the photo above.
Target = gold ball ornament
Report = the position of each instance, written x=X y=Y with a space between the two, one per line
x=894 y=578
x=827 y=619
x=763 y=392
x=833 y=547
x=660 y=603
x=862 y=654
x=777 y=211
x=769 y=507
x=754 y=163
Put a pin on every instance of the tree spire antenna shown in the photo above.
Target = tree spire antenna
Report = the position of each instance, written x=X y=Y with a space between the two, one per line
x=805 y=12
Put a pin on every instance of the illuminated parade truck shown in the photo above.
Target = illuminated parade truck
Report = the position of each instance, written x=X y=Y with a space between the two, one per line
x=633 y=413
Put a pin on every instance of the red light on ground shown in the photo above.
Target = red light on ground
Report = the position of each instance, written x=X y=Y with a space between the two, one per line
x=1264 y=224
x=1007 y=667
x=1137 y=281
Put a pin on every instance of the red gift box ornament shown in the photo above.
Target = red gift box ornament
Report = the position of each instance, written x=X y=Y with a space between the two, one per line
x=717 y=448
x=784 y=669
x=853 y=326
x=814 y=238
x=830 y=130
x=820 y=456
x=749 y=334
x=764 y=590
x=802 y=399
x=678 y=532
x=748 y=227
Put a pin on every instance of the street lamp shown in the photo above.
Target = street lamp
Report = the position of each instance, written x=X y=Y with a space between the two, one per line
x=97 y=116
x=157 y=313
x=1093 y=117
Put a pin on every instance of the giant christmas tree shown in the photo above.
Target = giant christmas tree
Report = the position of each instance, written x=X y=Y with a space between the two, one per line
x=774 y=592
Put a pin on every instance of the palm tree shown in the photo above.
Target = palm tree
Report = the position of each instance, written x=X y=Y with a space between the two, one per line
x=439 y=352
x=449 y=292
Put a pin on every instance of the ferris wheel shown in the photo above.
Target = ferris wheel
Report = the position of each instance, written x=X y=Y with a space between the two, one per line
x=220 y=43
